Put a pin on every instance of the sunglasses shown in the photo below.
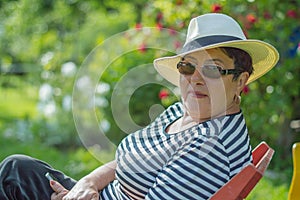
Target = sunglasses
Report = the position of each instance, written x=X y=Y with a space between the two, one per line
x=208 y=70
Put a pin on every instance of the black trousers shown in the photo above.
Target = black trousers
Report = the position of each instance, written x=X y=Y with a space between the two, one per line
x=23 y=177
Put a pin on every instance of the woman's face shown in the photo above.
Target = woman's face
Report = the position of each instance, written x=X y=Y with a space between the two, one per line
x=205 y=98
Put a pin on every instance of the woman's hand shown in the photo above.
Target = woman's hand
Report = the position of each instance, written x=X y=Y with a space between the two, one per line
x=88 y=187
x=59 y=190
x=84 y=189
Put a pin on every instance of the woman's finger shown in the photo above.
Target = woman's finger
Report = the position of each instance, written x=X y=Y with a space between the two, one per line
x=57 y=187
x=58 y=196
x=95 y=197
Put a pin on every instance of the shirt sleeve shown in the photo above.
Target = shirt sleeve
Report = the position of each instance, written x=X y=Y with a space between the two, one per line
x=195 y=172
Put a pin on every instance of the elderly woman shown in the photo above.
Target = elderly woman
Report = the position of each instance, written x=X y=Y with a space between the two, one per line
x=191 y=149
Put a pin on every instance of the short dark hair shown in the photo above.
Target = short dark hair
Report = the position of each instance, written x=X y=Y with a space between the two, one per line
x=242 y=60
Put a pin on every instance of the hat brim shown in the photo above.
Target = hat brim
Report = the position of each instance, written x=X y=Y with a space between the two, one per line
x=264 y=58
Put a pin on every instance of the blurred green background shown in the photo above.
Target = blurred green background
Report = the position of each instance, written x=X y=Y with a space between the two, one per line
x=45 y=42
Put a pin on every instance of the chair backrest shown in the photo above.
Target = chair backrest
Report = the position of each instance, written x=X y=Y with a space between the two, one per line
x=242 y=183
x=294 y=192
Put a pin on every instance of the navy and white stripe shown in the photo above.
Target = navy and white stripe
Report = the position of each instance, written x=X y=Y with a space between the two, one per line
x=192 y=164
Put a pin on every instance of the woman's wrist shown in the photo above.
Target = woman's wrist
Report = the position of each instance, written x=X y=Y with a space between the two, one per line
x=101 y=176
x=92 y=181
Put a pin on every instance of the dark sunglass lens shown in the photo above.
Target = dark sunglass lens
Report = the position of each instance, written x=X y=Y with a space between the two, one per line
x=211 y=71
x=185 y=68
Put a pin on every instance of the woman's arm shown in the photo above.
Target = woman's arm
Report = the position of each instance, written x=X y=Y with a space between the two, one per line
x=103 y=175
x=89 y=186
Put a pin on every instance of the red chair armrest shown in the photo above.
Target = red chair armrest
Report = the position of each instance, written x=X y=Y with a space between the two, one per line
x=242 y=183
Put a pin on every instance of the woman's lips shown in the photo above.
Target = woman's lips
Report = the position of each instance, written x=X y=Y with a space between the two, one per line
x=198 y=94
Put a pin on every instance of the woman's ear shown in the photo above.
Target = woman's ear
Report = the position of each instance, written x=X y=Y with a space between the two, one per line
x=241 y=81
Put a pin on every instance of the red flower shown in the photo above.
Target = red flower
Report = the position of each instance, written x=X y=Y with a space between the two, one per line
x=267 y=15
x=216 y=8
x=251 y=18
x=246 y=90
x=291 y=14
x=138 y=26
x=163 y=94
x=159 y=26
x=142 y=48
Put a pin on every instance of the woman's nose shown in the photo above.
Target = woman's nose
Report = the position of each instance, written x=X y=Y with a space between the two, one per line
x=197 y=77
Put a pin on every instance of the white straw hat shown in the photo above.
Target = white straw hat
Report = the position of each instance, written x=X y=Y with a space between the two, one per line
x=218 y=30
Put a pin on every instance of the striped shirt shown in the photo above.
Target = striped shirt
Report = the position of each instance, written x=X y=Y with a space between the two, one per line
x=191 y=164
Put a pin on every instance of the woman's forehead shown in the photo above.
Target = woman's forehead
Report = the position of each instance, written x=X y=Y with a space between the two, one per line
x=214 y=55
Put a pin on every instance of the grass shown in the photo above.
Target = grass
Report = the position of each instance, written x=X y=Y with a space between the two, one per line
x=268 y=188
x=75 y=163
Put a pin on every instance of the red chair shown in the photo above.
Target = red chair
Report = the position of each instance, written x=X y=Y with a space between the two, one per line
x=242 y=183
